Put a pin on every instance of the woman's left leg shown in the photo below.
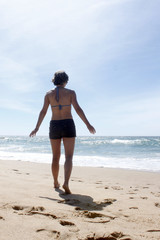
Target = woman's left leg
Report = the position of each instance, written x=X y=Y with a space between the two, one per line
x=69 y=149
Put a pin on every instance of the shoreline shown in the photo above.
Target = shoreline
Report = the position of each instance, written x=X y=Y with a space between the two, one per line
x=120 y=203
x=116 y=168
x=130 y=153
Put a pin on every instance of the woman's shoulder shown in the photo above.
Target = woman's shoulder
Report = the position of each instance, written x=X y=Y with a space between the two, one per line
x=70 y=91
x=50 y=92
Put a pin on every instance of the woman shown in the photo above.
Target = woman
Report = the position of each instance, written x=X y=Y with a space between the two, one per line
x=61 y=125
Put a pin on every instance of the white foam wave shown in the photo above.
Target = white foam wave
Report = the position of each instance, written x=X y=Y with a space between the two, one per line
x=114 y=141
x=93 y=161
x=126 y=141
x=30 y=157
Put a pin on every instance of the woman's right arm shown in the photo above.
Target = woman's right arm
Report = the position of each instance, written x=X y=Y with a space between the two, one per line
x=41 y=116
x=81 y=114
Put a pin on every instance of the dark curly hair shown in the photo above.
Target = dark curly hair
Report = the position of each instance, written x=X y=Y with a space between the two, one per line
x=60 y=77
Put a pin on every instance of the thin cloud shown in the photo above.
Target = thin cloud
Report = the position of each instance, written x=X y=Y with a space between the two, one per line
x=13 y=104
x=17 y=76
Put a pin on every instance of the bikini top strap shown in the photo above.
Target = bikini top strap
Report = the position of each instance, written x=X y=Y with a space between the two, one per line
x=57 y=94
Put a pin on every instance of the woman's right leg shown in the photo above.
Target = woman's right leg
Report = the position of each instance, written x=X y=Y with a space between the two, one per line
x=56 y=150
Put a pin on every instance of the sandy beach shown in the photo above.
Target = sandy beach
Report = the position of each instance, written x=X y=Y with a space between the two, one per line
x=105 y=203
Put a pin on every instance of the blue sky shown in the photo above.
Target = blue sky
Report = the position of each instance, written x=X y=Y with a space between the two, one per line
x=109 y=48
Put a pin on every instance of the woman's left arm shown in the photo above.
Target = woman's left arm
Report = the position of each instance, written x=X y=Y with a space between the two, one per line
x=41 y=116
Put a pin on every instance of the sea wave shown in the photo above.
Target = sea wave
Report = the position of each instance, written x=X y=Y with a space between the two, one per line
x=119 y=152
x=144 y=164
x=115 y=141
x=136 y=141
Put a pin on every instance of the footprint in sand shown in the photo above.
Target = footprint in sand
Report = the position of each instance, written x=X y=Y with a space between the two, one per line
x=98 y=182
x=92 y=214
x=1 y=218
x=66 y=223
x=117 y=188
x=20 y=208
x=131 y=193
x=112 y=236
x=156 y=194
x=17 y=171
x=145 y=198
x=76 y=180
x=71 y=225
x=41 y=213
x=33 y=211
x=157 y=205
x=117 y=234
x=133 y=208
x=52 y=233
x=96 y=217
x=154 y=230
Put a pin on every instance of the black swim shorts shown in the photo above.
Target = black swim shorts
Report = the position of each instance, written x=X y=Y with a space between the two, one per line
x=62 y=129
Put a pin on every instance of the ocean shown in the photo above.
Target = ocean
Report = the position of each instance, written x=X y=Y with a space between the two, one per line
x=136 y=153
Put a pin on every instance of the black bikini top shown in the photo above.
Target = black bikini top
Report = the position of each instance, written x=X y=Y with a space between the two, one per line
x=57 y=99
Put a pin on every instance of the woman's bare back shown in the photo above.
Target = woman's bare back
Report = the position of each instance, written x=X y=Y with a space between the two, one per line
x=60 y=100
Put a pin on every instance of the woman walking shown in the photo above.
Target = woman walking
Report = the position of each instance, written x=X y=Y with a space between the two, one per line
x=61 y=125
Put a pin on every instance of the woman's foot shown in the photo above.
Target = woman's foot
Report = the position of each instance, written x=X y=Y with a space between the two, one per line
x=56 y=185
x=66 y=188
